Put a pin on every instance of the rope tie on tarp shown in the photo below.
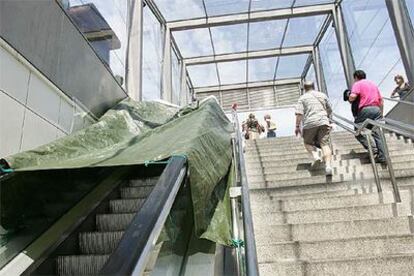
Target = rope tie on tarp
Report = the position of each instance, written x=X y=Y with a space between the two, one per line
x=153 y=162
x=5 y=170
x=237 y=243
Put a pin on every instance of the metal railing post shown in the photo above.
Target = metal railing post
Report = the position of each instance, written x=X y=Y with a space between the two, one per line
x=372 y=159
x=397 y=195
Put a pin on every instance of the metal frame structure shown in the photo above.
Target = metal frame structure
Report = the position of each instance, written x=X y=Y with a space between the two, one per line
x=398 y=13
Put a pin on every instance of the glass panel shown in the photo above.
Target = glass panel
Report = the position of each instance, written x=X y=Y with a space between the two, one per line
x=173 y=10
x=176 y=240
x=291 y=66
x=373 y=43
x=152 y=59
x=334 y=73
x=104 y=23
x=311 y=76
x=410 y=7
x=303 y=30
x=270 y=4
x=283 y=117
x=203 y=75
x=176 y=78
x=301 y=3
x=266 y=35
x=232 y=72
x=220 y=7
x=262 y=69
x=194 y=43
x=230 y=39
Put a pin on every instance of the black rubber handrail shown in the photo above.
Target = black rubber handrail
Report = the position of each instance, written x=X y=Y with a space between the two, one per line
x=134 y=249
x=249 y=238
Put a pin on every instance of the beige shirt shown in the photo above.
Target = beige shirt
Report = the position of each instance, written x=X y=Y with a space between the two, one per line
x=315 y=108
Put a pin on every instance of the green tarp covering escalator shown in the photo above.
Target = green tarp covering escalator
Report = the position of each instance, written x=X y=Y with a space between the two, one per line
x=132 y=133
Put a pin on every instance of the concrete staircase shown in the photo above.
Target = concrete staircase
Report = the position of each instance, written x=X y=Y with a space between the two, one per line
x=308 y=224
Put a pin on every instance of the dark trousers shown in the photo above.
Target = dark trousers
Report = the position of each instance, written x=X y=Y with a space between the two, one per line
x=373 y=113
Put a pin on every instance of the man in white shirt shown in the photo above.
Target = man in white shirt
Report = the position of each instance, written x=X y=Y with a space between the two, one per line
x=314 y=110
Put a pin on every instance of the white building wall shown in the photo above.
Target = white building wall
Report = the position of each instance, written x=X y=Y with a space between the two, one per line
x=33 y=111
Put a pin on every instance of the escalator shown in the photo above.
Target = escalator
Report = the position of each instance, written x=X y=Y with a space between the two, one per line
x=128 y=220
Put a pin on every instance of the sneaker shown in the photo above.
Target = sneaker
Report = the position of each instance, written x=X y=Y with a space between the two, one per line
x=316 y=164
x=380 y=160
x=328 y=171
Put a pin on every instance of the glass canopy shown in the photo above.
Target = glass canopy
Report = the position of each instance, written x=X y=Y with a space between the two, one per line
x=249 y=40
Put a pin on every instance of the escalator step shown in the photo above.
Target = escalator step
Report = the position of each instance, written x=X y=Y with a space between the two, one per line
x=126 y=205
x=143 y=182
x=113 y=222
x=136 y=192
x=99 y=243
x=80 y=265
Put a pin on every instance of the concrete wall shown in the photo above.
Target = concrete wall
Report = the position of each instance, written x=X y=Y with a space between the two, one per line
x=41 y=31
x=50 y=76
x=33 y=111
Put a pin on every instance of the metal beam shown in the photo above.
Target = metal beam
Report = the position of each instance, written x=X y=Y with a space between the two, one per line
x=344 y=46
x=249 y=55
x=155 y=10
x=404 y=34
x=135 y=51
x=317 y=64
x=324 y=29
x=166 y=68
x=251 y=17
x=246 y=85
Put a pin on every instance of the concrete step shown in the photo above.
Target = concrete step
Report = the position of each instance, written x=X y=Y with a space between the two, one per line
x=339 y=168
x=339 y=154
x=337 y=249
x=334 y=230
x=360 y=172
x=291 y=141
x=294 y=181
x=372 y=266
x=358 y=150
x=342 y=201
x=304 y=163
x=377 y=211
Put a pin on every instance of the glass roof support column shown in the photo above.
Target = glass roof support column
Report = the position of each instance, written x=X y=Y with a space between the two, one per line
x=166 y=67
x=133 y=76
x=183 y=83
x=404 y=34
x=320 y=77
x=344 y=45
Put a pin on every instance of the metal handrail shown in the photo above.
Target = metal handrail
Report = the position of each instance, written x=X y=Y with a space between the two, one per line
x=381 y=127
x=398 y=101
x=134 y=249
x=249 y=238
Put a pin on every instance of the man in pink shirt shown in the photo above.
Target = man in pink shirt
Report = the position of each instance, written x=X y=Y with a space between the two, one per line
x=370 y=107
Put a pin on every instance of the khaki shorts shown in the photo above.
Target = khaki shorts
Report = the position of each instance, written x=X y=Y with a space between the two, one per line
x=317 y=136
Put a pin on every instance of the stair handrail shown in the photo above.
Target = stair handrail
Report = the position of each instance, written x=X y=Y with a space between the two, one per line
x=398 y=101
x=381 y=126
x=251 y=262
x=134 y=250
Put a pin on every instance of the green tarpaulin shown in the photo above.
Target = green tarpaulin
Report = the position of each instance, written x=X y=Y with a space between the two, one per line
x=132 y=133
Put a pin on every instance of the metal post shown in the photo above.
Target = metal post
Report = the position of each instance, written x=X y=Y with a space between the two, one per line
x=133 y=73
x=183 y=88
x=166 y=67
x=320 y=78
x=397 y=196
x=404 y=33
x=344 y=46
x=372 y=159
